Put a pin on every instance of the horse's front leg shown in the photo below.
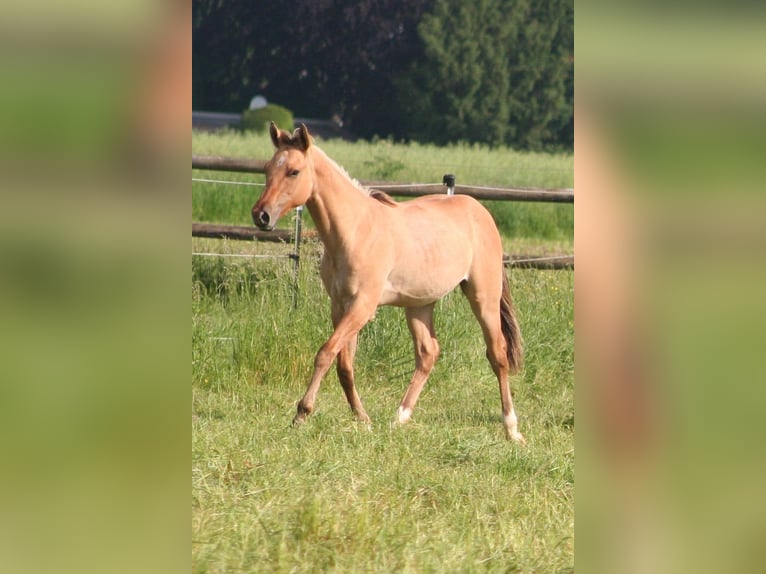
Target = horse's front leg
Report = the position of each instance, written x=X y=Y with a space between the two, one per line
x=345 y=367
x=346 y=329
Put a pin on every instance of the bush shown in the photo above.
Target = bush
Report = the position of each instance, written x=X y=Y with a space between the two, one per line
x=259 y=120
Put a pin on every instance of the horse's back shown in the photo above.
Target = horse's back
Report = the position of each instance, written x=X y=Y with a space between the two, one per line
x=450 y=215
x=458 y=206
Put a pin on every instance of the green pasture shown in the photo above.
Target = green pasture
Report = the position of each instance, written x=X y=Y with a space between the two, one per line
x=446 y=493
x=411 y=163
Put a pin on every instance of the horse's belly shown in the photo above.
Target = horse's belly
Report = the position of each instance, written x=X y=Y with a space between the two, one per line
x=419 y=289
x=429 y=266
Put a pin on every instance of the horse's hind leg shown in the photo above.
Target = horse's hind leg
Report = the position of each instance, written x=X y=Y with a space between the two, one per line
x=345 y=369
x=485 y=304
x=420 y=322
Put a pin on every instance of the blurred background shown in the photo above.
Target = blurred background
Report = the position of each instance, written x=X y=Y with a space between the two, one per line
x=94 y=120
x=669 y=239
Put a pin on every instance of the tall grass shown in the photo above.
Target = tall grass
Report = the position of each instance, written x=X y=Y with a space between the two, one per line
x=445 y=494
x=416 y=163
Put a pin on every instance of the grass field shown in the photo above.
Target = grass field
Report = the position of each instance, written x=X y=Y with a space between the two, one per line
x=446 y=493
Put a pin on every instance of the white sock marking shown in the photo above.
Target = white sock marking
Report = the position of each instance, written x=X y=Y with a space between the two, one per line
x=403 y=415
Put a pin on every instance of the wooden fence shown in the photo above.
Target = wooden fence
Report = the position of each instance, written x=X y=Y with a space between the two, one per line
x=217 y=163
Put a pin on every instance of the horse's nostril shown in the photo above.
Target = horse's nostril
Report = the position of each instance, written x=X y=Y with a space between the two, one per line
x=263 y=218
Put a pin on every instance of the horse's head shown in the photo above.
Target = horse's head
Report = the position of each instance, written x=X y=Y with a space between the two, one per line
x=289 y=176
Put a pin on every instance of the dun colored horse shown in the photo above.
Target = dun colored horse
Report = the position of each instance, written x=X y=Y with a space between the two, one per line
x=380 y=252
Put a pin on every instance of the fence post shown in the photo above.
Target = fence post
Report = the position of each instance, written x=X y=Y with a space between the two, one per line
x=296 y=256
x=449 y=181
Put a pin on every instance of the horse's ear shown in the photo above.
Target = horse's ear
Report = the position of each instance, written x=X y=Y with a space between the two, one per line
x=302 y=138
x=274 y=132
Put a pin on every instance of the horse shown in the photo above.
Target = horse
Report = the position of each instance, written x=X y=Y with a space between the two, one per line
x=381 y=252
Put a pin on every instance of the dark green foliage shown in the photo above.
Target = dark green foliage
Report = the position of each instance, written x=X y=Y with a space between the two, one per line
x=498 y=72
x=317 y=57
x=493 y=71
x=259 y=120
x=459 y=89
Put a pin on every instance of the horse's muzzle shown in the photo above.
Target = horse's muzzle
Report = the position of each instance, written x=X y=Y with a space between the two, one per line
x=263 y=220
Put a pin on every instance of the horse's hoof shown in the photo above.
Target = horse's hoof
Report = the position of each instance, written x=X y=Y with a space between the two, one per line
x=363 y=418
x=516 y=437
x=299 y=420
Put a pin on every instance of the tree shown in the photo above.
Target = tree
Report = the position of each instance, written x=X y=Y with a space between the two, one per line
x=226 y=40
x=344 y=57
x=492 y=71
x=540 y=58
x=316 y=57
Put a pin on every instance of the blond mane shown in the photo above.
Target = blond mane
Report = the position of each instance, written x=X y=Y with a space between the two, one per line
x=375 y=194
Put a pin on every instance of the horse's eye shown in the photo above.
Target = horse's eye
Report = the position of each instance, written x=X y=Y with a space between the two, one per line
x=293 y=172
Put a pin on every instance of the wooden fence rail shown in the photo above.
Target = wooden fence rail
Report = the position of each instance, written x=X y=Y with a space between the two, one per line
x=217 y=163
x=247 y=233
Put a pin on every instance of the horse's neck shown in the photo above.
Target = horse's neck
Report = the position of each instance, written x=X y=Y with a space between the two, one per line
x=338 y=203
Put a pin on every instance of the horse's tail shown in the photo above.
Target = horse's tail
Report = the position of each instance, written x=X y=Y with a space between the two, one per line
x=510 y=327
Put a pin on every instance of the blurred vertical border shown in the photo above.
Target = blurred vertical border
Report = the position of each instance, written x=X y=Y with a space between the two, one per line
x=95 y=125
x=670 y=167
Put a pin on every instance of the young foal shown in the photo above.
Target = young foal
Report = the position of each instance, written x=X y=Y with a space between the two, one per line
x=380 y=252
